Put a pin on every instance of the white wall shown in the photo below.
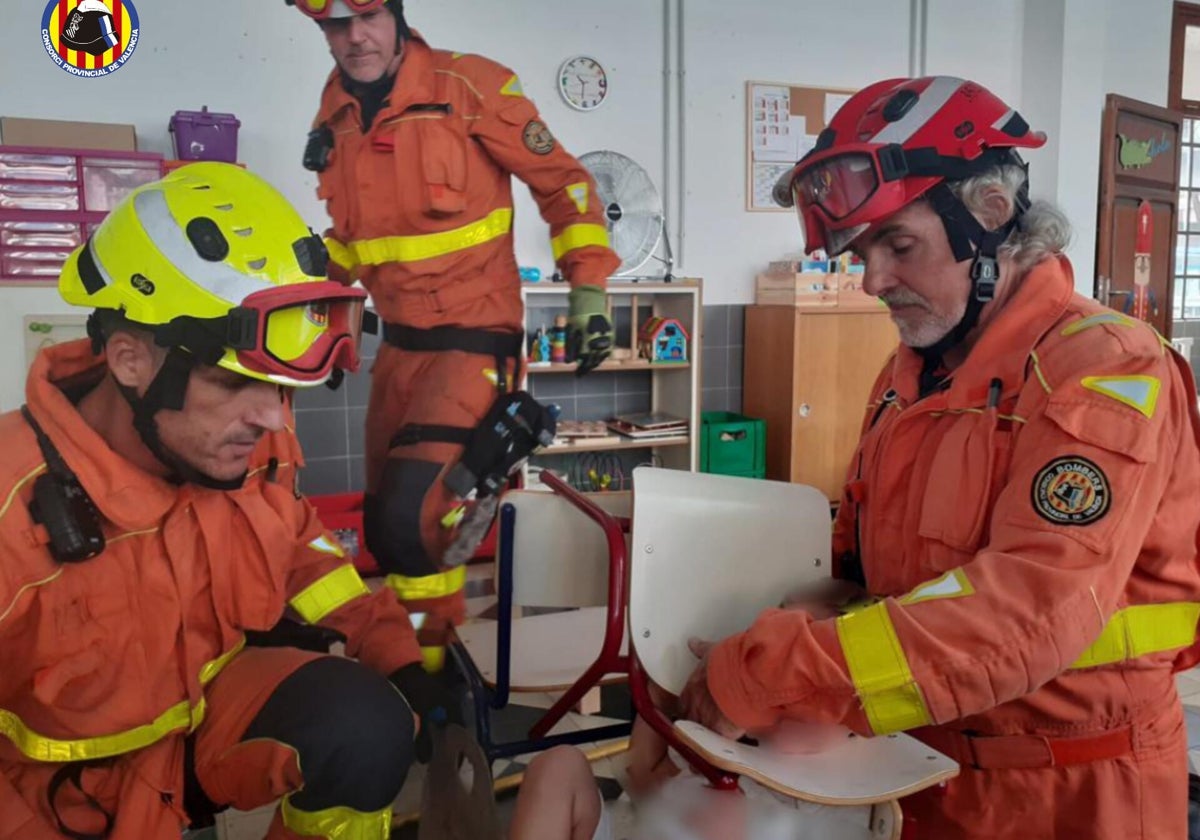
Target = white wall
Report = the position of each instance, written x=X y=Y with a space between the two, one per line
x=726 y=45
x=266 y=63
x=1077 y=52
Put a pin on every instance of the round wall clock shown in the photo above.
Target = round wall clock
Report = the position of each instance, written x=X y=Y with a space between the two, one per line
x=583 y=83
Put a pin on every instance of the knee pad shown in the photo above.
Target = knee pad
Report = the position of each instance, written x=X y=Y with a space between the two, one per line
x=353 y=730
x=392 y=517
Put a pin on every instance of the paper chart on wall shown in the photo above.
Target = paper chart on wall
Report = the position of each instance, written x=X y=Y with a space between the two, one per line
x=770 y=119
x=765 y=176
x=782 y=125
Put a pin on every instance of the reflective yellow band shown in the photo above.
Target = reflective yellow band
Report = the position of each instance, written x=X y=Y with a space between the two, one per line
x=578 y=236
x=433 y=659
x=884 y=682
x=322 y=597
x=1141 y=630
x=430 y=586
x=340 y=254
x=210 y=670
x=182 y=716
x=1114 y=318
x=337 y=823
x=425 y=247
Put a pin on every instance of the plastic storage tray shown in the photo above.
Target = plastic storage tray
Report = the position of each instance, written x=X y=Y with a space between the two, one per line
x=51 y=200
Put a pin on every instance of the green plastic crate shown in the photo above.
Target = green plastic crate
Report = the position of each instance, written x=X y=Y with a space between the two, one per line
x=733 y=444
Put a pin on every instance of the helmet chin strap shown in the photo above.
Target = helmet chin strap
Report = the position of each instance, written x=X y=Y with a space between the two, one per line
x=167 y=391
x=969 y=240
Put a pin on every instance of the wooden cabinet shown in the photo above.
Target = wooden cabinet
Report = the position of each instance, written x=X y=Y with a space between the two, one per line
x=808 y=373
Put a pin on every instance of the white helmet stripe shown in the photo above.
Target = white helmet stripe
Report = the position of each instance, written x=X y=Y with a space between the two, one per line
x=1003 y=121
x=166 y=234
x=338 y=9
x=930 y=102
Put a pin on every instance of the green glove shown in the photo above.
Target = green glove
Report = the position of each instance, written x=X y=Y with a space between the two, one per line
x=590 y=330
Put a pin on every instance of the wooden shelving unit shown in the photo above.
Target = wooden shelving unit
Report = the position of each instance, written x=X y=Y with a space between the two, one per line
x=675 y=386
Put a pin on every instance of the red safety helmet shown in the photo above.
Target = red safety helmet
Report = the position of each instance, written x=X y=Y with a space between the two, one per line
x=890 y=144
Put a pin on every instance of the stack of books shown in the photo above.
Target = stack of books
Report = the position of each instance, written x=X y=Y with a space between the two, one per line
x=654 y=424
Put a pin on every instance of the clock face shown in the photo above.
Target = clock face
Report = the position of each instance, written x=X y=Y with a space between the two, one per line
x=583 y=83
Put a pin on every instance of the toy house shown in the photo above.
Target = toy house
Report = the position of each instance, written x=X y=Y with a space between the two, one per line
x=663 y=340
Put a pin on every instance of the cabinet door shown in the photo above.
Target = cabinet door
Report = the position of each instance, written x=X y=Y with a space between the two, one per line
x=768 y=381
x=838 y=357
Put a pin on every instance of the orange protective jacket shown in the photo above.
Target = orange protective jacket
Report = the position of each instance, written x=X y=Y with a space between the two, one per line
x=422 y=202
x=1030 y=534
x=111 y=656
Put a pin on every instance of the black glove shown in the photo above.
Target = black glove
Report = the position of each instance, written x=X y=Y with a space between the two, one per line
x=431 y=700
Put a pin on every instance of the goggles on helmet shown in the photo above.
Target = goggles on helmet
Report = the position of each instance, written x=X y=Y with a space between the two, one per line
x=838 y=194
x=323 y=9
x=297 y=334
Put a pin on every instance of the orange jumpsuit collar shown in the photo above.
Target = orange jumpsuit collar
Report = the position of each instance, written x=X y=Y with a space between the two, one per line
x=125 y=494
x=1004 y=347
x=414 y=83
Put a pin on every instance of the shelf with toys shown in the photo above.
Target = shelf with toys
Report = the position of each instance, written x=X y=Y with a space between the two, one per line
x=657 y=335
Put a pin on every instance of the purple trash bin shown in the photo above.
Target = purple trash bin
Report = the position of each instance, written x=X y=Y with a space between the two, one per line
x=203 y=135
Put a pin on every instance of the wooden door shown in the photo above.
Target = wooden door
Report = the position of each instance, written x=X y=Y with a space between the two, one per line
x=1139 y=162
x=839 y=355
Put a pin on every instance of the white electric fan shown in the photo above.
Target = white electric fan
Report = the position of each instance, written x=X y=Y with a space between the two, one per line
x=633 y=212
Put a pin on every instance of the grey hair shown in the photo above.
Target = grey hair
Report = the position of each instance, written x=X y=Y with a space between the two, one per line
x=1043 y=230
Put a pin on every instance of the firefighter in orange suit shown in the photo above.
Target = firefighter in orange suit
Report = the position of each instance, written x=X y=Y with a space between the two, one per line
x=1021 y=510
x=150 y=520
x=415 y=148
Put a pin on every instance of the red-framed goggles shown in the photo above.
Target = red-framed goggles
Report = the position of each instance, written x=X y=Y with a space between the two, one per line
x=838 y=194
x=323 y=9
x=299 y=333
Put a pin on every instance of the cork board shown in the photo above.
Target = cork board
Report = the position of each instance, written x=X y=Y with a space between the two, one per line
x=782 y=124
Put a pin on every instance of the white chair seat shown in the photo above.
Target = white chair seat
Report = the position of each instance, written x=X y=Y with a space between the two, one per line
x=708 y=554
x=855 y=771
x=549 y=652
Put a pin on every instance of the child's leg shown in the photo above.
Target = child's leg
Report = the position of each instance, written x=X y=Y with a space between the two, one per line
x=559 y=799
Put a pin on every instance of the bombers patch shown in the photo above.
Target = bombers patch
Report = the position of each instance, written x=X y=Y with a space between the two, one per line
x=1071 y=491
x=538 y=138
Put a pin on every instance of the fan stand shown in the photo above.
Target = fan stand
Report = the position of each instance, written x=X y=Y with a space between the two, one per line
x=613 y=212
x=669 y=260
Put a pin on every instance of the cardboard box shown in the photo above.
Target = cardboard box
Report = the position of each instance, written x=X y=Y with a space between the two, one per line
x=804 y=289
x=851 y=296
x=811 y=289
x=61 y=134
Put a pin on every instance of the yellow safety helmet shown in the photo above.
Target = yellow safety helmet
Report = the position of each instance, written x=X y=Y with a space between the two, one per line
x=213 y=260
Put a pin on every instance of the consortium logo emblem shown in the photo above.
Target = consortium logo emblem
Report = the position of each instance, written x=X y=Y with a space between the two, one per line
x=90 y=38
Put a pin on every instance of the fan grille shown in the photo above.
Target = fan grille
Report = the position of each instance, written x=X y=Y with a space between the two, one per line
x=632 y=208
